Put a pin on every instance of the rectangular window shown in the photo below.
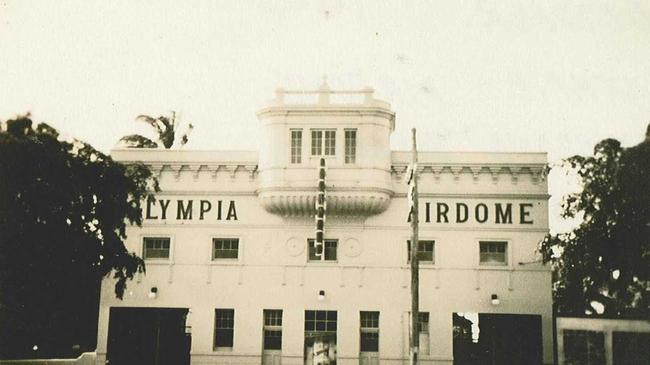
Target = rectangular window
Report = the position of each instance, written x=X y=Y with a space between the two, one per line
x=320 y=321
x=493 y=253
x=329 y=250
x=423 y=322
x=323 y=142
x=350 y=145
x=330 y=143
x=584 y=347
x=426 y=251
x=296 y=146
x=225 y=248
x=156 y=248
x=316 y=143
x=423 y=328
x=272 y=329
x=224 y=327
x=631 y=348
x=369 y=332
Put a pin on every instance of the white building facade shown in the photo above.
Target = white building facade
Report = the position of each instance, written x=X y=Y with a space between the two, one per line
x=232 y=274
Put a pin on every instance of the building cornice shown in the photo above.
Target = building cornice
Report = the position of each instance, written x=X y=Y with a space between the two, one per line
x=536 y=171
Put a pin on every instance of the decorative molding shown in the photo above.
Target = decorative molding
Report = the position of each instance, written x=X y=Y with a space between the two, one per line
x=514 y=172
x=197 y=171
x=252 y=170
x=215 y=171
x=536 y=171
x=494 y=171
x=352 y=247
x=476 y=172
x=511 y=279
x=176 y=169
x=436 y=173
x=456 y=170
x=232 y=169
x=294 y=246
x=156 y=169
x=301 y=203
x=398 y=171
x=362 y=270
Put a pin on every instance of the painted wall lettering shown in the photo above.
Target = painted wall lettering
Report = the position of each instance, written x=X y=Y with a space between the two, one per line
x=163 y=208
x=481 y=213
x=183 y=212
x=502 y=213
x=524 y=212
x=187 y=209
x=503 y=216
x=232 y=211
x=442 y=212
x=150 y=202
x=462 y=213
x=205 y=207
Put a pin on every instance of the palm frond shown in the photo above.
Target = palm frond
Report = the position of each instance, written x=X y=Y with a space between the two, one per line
x=137 y=141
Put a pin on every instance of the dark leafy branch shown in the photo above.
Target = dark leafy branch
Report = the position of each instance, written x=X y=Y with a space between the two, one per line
x=64 y=209
x=606 y=259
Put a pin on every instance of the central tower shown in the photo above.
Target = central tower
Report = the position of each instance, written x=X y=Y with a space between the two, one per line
x=350 y=129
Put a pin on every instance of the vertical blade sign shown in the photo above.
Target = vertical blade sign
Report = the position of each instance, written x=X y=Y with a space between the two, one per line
x=320 y=211
x=410 y=180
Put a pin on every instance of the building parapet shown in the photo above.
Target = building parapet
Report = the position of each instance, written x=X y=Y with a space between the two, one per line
x=474 y=163
x=192 y=162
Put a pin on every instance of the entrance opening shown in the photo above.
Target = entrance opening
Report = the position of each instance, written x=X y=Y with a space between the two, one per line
x=148 y=336
x=320 y=337
x=481 y=338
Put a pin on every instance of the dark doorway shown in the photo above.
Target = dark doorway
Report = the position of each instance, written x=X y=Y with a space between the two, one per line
x=492 y=339
x=320 y=337
x=148 y=336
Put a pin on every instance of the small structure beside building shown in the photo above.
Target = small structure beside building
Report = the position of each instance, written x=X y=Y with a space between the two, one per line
x=603 y=341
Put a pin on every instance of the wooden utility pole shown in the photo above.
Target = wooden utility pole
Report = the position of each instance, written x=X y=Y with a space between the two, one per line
x=414 y=336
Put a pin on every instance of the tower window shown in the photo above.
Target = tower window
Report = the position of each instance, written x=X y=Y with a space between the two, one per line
x=350 y=145
x=296 y=146
x=323 y=142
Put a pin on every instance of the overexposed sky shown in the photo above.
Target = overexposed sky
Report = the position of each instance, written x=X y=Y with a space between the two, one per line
x=553 y=76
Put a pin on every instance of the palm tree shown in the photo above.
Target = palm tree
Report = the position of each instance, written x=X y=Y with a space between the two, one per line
x=165 y=128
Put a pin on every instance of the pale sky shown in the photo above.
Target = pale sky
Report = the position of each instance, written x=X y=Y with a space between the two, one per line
x=552 y=76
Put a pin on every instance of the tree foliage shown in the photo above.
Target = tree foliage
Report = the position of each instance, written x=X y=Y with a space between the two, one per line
x=166 y=130
x=64 y=207
x=606 y=259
